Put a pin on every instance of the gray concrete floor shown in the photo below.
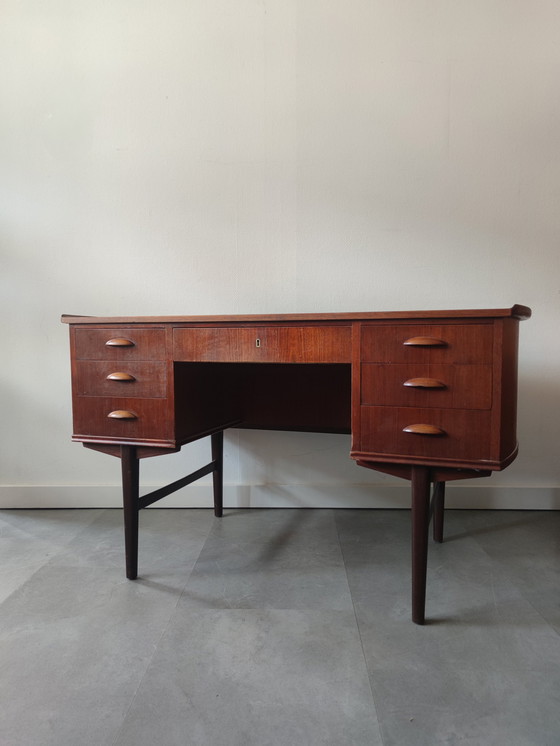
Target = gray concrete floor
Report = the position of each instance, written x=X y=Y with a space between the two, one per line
x=276 y=628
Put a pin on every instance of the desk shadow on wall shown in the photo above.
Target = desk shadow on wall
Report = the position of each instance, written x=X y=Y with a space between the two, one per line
x=538 y=432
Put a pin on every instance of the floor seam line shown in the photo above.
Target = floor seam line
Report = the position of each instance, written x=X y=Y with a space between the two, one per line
x=157 y=644
x=360 y=637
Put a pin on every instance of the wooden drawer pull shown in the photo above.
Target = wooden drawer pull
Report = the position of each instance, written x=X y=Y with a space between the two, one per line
x=118 y=376
x=424 y=383
x=122 y=414
x=119 y=342
x=422 y=429
x=424 y=342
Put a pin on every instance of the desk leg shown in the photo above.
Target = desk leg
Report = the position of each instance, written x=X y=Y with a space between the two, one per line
x=130 y=484
x=439 y=507
x=420 y=524
x=217 y=441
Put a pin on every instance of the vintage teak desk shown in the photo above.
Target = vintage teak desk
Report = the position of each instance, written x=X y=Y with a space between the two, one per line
x=428 y=396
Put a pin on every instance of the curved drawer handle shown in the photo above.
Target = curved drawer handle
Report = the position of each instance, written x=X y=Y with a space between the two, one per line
x=122 y=414
x=424 y=342
x=119 y=376
x=423 y=429
x=119 y=342
x=424 y=383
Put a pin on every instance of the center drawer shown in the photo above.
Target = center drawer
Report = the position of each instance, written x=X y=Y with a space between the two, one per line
x=305 y=344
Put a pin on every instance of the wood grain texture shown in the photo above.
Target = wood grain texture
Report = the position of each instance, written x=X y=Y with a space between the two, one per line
x=148 y=379
x=461 y=386
x=91 y=418
x=464 y=343
x=147 y=344
x=297 y=344
x=467 y=434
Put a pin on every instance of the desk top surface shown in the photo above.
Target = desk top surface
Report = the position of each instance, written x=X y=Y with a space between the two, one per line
x=516 y=311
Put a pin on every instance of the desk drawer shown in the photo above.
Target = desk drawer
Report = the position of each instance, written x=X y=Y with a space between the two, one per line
x=118 y=418
x=130 y=379
x=465 y=434
x=427 y=385
x=306 y=344
x=119 y=344
x=434 y=343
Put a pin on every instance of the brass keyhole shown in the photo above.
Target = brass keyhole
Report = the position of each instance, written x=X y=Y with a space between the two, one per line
x=257 y=342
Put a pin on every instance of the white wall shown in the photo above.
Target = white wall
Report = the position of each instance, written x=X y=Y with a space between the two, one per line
x=244 y=156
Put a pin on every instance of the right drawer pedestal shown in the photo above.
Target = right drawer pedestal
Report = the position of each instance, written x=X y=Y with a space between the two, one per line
x=432 y=394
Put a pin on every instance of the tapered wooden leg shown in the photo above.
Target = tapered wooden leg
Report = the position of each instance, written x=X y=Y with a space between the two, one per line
x=217 y=441
x=420 y=523
x=439 y=507
x=130 y=485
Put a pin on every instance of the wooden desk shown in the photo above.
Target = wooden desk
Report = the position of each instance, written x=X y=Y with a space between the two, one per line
x=427 y=396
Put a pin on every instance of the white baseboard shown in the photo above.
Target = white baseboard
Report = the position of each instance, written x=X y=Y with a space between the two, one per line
x=284 y=496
